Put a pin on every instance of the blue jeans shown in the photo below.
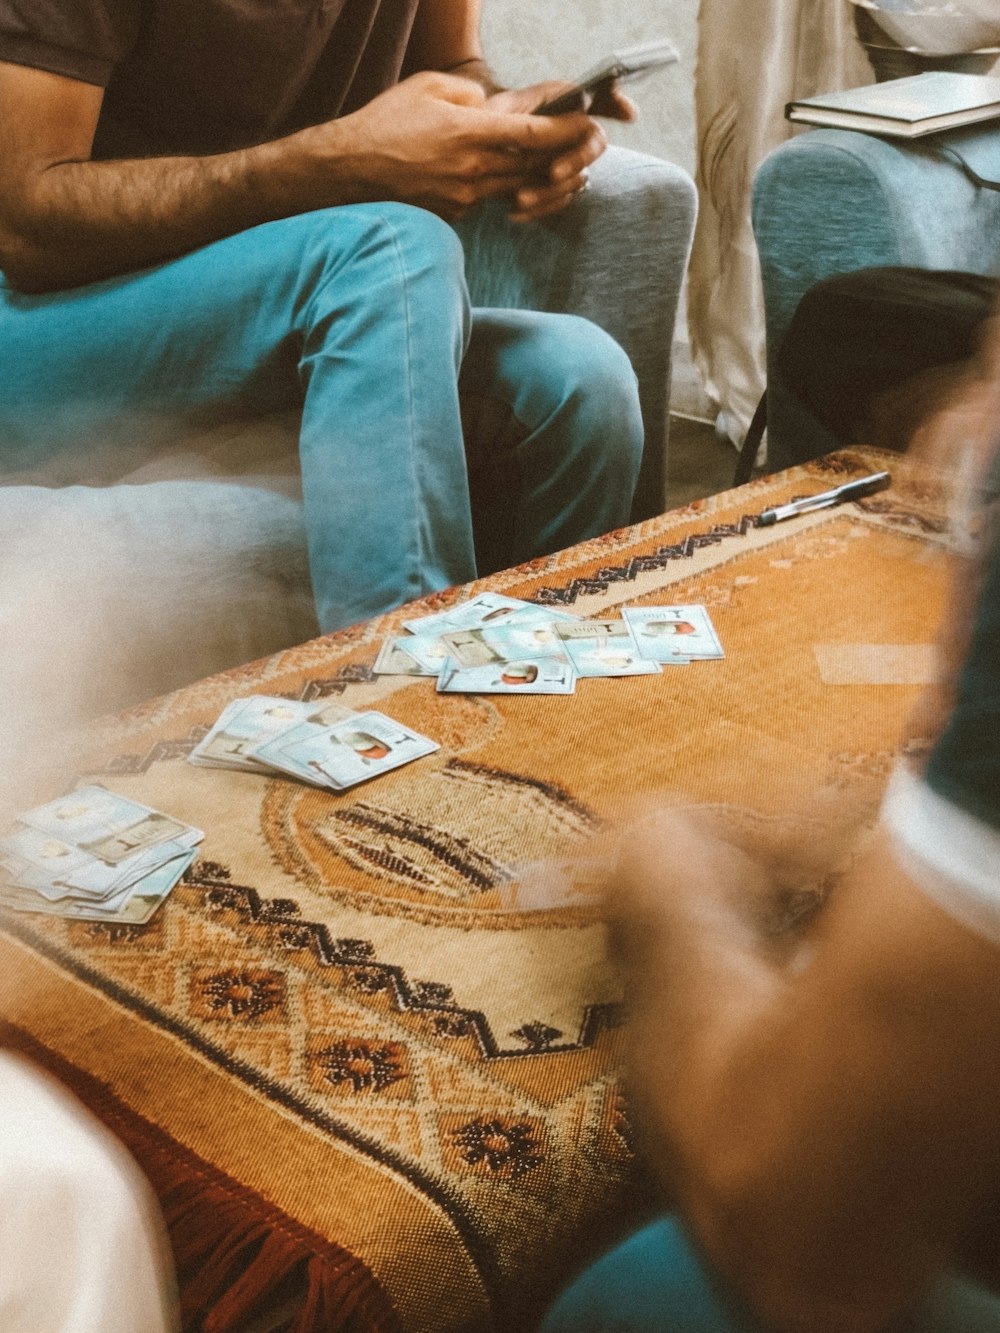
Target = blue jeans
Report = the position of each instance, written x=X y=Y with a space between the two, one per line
x=655 y=1282
x=361 y=315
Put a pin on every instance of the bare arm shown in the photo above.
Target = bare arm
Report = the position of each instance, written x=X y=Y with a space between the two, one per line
x=446 y=37
x=824 y=1118
x=66 y=220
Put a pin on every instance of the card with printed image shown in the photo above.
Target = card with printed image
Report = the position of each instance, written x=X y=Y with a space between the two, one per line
x=56 y=869
x=349 y=752
x=529 y=637
x=23 y=898
x=35 y=857
x=488 y=608
x=96 y=856
x=243 y=724
x=131 y=905
x=395 y=659
x=322 y=715
x=108 y=826
x=604 y=648
x=471 y=647
x=426 y=650
x=246 y=724
x=540 y=675
x=326 y=712
x=673 y=633
x=146 y=894
x=520 y=639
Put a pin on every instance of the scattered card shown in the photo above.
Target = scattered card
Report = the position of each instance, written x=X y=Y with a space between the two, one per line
x=94 y=855
x=396 y=659
x=673 y=633
x=489 y=608
x=348 y=752
x=426 y=650
x=604 y=648
x=243 y=724
x=539 y=675
x=495 y=644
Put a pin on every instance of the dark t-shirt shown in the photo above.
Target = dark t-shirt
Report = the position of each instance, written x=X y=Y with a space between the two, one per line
x=206 y=76
x=965 y=763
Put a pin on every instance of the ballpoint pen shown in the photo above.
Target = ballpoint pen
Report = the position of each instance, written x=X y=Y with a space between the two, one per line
x=851 y=490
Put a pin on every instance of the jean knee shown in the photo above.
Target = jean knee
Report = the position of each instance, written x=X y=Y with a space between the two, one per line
x=424 y=231
x=597 y=373
x=421 y=242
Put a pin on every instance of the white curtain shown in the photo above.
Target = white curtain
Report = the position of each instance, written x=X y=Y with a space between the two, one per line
x=753 y=57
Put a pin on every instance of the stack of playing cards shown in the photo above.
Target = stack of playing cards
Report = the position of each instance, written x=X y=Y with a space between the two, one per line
x=501 y=645
x=321 y=743
x=94 y=856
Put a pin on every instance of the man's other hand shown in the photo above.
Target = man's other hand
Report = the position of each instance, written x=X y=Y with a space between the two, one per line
x=566 y=175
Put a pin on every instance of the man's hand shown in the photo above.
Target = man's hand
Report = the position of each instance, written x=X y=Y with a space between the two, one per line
x=437 y=140
x=566 y=174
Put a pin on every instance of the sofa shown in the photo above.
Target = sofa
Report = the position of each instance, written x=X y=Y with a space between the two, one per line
x=129 y=574
x=832 y=201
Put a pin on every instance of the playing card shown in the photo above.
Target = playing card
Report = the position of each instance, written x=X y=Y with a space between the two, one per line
x=673 y=633
x=426 y=650
x=395 y=659
x=471 y=648
x=56 y=869
x=146 y=895
x=527 y=636
x=348 y=752
x=489 y=608
x=106 y=825
x=604 y=648
x=27 y=851
x=93 y=855
x=540 y=675
x=132 y=905
x=243 y=724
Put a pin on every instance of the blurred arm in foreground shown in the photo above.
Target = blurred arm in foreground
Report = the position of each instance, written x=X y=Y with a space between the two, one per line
x=820 y=1103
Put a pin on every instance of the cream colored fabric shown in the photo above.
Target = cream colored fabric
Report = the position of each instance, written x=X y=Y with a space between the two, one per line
x=752 y=59
x=82 y=1248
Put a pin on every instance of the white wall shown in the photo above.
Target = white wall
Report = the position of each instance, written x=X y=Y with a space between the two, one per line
x=529 y=40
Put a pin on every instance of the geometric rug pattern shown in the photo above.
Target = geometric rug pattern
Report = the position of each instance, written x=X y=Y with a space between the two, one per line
x=387 y=1018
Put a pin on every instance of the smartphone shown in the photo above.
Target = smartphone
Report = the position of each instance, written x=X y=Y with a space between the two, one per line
x=620 y=65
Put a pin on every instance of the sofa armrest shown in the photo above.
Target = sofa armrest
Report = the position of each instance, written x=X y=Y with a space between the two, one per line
x=617 y=256
x=834 y=201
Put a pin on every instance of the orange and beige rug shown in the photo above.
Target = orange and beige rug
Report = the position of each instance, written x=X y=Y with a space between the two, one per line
x=369 y=1050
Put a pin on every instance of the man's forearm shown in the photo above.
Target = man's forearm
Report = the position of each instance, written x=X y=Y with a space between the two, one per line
x=83 y=221
x=430 y=141
x=822 y=1119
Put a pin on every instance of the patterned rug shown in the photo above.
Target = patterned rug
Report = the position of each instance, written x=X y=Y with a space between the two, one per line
x=358 y=1061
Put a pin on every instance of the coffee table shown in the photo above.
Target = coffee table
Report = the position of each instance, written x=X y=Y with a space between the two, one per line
x=360 y=1067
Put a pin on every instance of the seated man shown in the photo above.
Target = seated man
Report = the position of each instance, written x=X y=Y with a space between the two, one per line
x=822 y=1102
x=213 y=208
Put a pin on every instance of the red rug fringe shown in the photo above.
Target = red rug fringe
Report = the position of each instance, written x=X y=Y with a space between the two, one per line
x=235 y=1253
